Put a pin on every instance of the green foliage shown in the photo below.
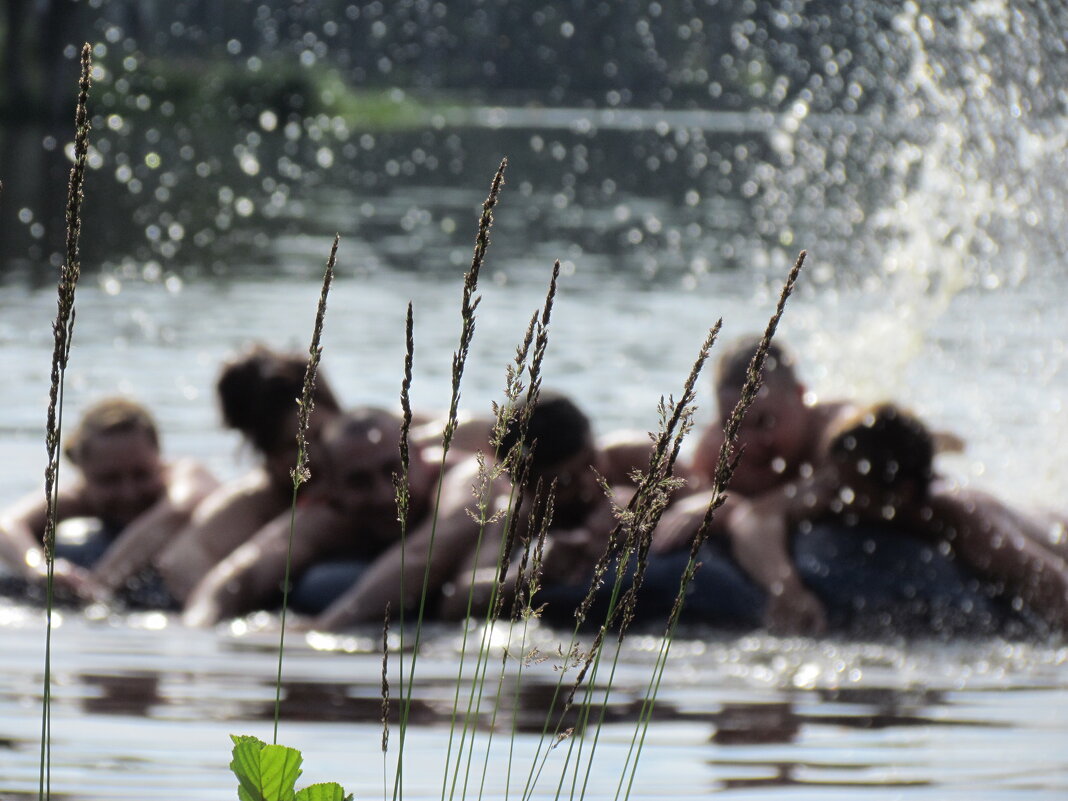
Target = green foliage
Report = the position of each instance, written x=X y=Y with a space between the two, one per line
x=198 y=88
x=270 y=772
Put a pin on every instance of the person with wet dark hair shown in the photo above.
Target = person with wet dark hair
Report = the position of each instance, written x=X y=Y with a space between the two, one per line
x=877 y=479
x=125 y=506
x=258 y=392
x=884 y=449
x=336 y=539
x=456 y=558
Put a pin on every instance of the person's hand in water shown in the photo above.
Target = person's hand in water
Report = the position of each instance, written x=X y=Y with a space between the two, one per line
x=759 y=537
x=793 y=609
x=70 y=579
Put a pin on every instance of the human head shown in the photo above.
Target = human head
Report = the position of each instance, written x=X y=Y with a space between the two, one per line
x=884 y=449
x=774 y=432
x=116 y=448
x=559 y=439
x=258 y=393
x=360 y=456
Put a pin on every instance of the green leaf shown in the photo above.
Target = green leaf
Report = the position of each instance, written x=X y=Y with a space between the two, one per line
x=265 y=772
x=327 y=791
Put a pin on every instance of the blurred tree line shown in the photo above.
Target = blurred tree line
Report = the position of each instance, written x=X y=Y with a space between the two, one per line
x=717 y=54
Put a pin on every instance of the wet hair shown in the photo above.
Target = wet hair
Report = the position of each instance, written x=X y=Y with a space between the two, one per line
x=110 y=416
x=887 y=444
x=733 y=365
x=259 y=388
x=556 y=431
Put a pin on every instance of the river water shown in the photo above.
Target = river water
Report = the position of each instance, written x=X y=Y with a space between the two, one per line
x=936 y=233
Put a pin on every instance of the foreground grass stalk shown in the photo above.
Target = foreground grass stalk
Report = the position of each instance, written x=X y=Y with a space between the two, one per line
x=631 y=539
x=726 y=463
x=653 y=496
x=301 y=472
x=516 y=465
x=63 y=331
x=402 y=489
x=469 y=304
x=385 y=694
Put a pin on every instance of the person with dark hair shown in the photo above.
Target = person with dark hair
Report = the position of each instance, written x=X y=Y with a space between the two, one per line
x=336 y=539
x=454 y=553
x=258 y=394
x=126 y=496
x=783 y=445
x=876 y=479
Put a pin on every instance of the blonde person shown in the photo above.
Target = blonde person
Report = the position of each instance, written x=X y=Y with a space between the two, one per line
x=257 y=393
x=131 y=495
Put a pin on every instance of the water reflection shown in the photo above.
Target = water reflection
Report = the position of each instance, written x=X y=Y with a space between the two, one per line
x=730 y=716
x=135 y=694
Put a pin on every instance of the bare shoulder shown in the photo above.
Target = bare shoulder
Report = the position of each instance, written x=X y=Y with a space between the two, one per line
x=250 y=490
x=189 y=470
x=824 y=416
x=827 y=413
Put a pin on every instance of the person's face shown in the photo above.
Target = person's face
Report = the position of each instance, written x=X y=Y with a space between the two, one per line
x=773 y=433
x=123 y=475
x=576 y=486
x=280 y=460
x=361 y=468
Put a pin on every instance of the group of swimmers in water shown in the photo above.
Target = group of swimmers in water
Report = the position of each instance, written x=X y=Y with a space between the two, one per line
x=834 y=519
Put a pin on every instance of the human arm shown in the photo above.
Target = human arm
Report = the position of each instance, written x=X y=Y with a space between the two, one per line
x=683 y=520
x=759 y=531
x=22 y=530
x=568 y=558
x=988 y=537
x=252 y=576
x=431 y=553
x=226 y=519
x=760 y=542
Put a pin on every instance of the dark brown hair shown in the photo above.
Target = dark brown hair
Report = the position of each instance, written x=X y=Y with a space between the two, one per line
x=892 y=446
x=556 y=431
x=260 y=387
x=733 y=365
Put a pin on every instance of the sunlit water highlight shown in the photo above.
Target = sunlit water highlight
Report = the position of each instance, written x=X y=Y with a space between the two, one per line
x=138 y=708
x=936 y=229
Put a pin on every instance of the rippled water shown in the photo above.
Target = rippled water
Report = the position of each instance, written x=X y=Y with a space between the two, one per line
x=936 y=228
x=141 y=702
x=143 y=708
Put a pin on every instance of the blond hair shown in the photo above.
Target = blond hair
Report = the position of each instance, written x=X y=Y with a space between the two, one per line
x=110 y=416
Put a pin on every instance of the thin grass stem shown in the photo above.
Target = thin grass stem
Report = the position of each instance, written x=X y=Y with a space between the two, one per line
x=301 y=473
x=63 y=331
x=402 y=486
x=726 y=463
x=469 y=305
